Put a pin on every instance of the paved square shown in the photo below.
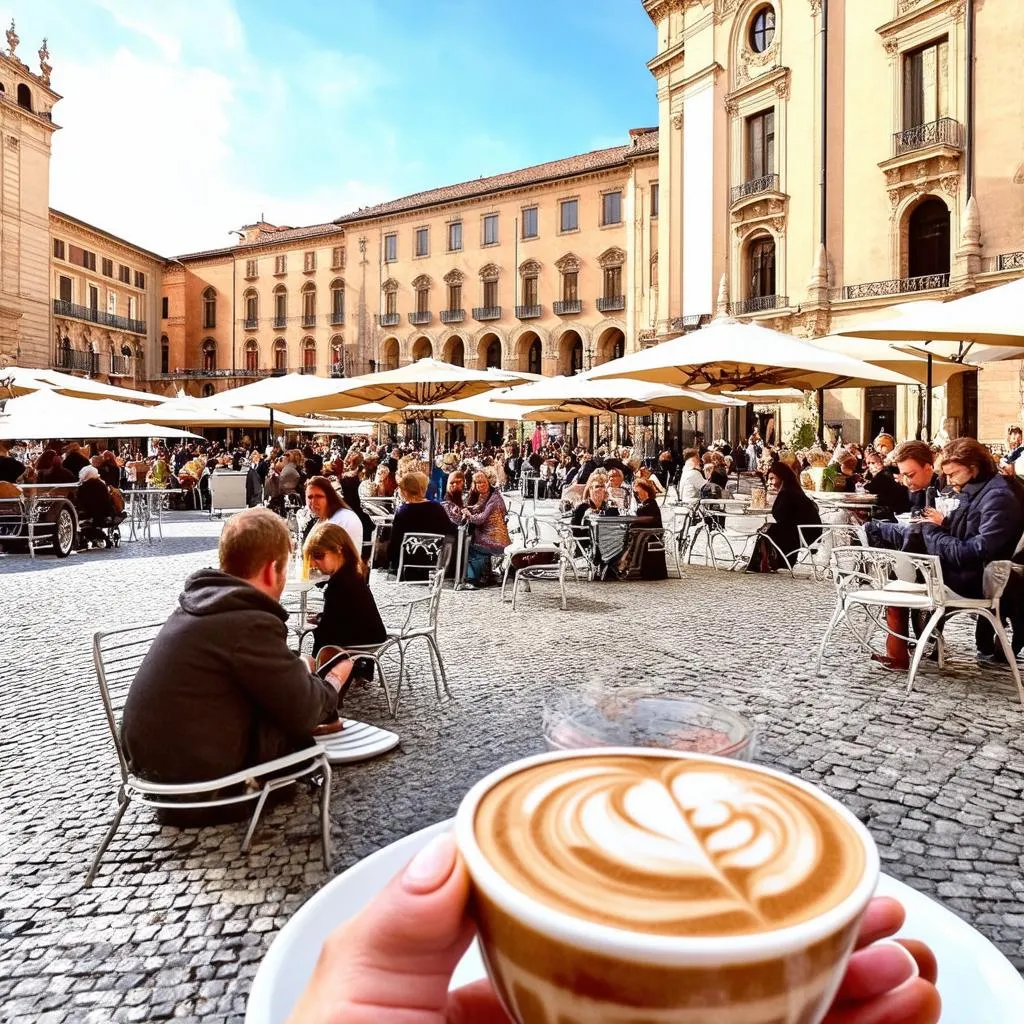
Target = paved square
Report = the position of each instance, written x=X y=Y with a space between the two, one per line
x=178 y=920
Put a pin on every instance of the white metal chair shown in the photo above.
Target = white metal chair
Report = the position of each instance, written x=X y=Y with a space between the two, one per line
x=422 y=551
x=553 y=571
x=818 y=542
x=117 y=655
x=656 y=539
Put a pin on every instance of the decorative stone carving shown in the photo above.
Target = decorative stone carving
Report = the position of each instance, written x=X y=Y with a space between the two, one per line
x=732 y=108
x=12 y=39
x=528 y=267
x=956 y=10
x=613 y=257
x=454 y=277
x=677 y=121
x=815 y=8
x=951 y=185
x=421 y=282
x=570 y=263
x=782 y=88
x=892 y=46
x=44 y=67
x=490 y=272
x=390 y=285
x=723 y=8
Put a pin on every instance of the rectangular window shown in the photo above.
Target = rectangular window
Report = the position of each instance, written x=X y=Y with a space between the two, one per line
x=612 y=282
x=390 y=303
x=90 y=260
x=390 y=248
x=58 y=248
x=133 y=307
x=490 y=230
x=530 y=290
x=654 y=199
x=422 y=300
x=611 y=208
x=490 y=294
x=280 y=264
x=140 y=279
x=455 y=236
x=570 y=286
x=338 y=303
x=163 y=307
x=65 y=289
x=124 y=274
x=423 y=241
x=926 y=84
x=108 y=267
x=252 y=268
x=761 y=145
x=530 y=224
x=309 y=262
x=94 y=298
x=569 y=215
x=337 y=257
x=280 y=308
x=455 y=296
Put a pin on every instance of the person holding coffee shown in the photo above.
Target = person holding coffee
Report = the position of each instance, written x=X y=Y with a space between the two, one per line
x=394 y=960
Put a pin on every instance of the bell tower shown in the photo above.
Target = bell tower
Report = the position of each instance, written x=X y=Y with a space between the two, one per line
x=26 y=128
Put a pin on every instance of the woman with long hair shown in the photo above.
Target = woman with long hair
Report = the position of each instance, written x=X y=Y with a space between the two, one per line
x=790 y=510
x=486 y=512
x=327 y=506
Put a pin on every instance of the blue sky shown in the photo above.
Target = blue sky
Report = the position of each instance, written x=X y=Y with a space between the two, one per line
x=183 y=119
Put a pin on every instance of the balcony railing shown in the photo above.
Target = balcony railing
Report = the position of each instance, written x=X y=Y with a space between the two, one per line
x=251 y=323
x=98 y=316
x=72 y=359
x=309 y=319
x=767 y=183
x=898 y=286
x=280 y=322
x=1010 y=261
x=452 y=316
x=944 y=132
x=307 y=369
x=611 y=302
x=422 y=317
x=566 y=306
x=758 y=304
x=487 y=313
x=337 y=317
x=200 y=373
x=387 y=319
x=690 y=322
x=120 y=366
x=337 y=369
x=528 y=312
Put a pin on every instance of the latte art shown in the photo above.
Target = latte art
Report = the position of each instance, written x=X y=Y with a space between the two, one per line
x=667 y=846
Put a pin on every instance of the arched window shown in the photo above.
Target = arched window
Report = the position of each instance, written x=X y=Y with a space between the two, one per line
x=309 y=305
x=762 y=29
x=209 y=391
x=389 y=354
x=280 y=354
x=337 y=302
x=928 y=241
x=252 y=309
x=577 y=355
x=24 y=96
x=308 y=355
x=533 y=358
x=761 y=280
x=280 y=306
x=493 y=357
x=209 y=355
x=210 y=308
x=252 y=355
x=165 y=354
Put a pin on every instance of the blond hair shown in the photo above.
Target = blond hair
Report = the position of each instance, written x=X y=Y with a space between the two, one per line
x=331 y=537
x=252 y=539
x=413 y=485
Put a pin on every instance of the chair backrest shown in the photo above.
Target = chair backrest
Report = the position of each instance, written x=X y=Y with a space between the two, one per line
x=423 y=551
x=117 y=655
x=857 y=566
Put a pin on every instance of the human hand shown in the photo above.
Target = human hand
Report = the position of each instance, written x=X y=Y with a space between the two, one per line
x=393 y=962
x=933 y=515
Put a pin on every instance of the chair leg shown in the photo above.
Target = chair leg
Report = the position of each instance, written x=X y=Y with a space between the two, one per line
x=122 y=806
x=561 y=587
x=325 y=813
x=922 y=643
x=435 y=654
x=837 y=617
x=254 y=820
x=515 y=589
x=1004 y=642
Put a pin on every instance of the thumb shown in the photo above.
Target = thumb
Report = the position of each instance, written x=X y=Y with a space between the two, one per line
x=394 y=960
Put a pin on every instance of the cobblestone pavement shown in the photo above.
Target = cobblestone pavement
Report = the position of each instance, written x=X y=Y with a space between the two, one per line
x=178 y=920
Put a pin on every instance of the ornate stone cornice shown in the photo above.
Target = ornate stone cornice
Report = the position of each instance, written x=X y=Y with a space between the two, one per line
x=613 y=257
x=910 y=13
x=569 y=263
x=530 y=266
x=659 y=10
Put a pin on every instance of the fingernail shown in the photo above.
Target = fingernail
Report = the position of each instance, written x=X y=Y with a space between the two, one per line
x=431 y=866
x=892 y=943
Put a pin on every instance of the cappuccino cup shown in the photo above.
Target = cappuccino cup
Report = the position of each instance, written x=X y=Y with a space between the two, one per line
x=641 y=886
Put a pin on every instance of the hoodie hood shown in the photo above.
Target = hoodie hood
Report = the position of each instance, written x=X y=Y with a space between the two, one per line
x=212 y=592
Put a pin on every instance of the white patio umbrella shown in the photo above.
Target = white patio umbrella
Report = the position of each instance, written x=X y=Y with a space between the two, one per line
x=731 y=356
x=770 y=396
x=897 y=358
x=19 y=380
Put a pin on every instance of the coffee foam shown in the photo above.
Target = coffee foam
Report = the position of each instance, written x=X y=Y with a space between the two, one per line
x=668 y=847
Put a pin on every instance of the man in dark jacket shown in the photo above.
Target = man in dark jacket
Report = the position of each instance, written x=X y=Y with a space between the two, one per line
x=74 y=460
x=254 y=482
x=219 y=689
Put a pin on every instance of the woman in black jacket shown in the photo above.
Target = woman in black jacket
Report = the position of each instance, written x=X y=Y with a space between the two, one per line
x=417 y=515
x=791 y=509
x=350 y=617
x=648 y=517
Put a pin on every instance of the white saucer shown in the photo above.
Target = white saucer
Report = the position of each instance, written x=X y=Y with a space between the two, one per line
x=978 y=984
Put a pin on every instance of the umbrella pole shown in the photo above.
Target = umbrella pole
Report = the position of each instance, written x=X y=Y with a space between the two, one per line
x=821 y=417
x=271 y=428
x=928 y=402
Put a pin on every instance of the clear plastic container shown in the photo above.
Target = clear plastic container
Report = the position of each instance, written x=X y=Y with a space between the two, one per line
x=620 y=719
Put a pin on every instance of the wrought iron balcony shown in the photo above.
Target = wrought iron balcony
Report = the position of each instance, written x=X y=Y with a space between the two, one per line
x=120 y=366
x=387 y=319
x=280 y=322
x=309 y=319
x=422 y=317
x=690 y=322
x=98 y=316
x=487 y=313
x=528 y=312
x=766 y=183
x=251 y=323
x=898 y=286
x=72 y=359
x=611 y=302
x=337 y=317
x=337 y=369
x=758 y=304
x=567 y=306
x=452 y=316
x=944 y=132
